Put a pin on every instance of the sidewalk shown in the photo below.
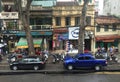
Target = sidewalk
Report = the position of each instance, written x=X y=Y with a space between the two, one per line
x=54 y=68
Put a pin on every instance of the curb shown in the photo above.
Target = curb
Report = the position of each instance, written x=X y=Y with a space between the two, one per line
x=18 y=72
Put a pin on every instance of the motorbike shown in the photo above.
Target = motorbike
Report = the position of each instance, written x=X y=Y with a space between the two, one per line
x=11 y=58
x=113 y=58
x=57 y=58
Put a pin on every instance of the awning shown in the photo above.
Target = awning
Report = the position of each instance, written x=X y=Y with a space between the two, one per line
x=107 y=38
x=23 y=43
x=41 y=33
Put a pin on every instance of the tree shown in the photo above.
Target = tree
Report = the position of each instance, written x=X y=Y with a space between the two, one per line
x=24 y=17
x=82 y=27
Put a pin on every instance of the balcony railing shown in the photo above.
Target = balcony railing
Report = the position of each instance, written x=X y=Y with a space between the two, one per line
x=41 y=27
x=9 y=15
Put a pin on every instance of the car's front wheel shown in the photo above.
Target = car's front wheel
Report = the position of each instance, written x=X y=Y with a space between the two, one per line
x=97 y=68
x=36 y=67
x=15 y=68
x=70 y=67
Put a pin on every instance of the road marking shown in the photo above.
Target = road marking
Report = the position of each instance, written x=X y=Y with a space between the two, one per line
x=107 y=73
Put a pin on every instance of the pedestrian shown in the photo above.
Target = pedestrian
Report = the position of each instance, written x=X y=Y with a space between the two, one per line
x=98 y=50
x=111 y=50
x=71 y=47
x=103 y=49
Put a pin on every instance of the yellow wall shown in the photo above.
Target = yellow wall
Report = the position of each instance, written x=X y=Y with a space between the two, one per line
x=109 y=32
x=74 y=11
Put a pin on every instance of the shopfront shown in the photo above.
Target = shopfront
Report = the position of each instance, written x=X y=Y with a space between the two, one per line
x=41 y=40
x=60 y=36
x=74 y=35
x=107 y=41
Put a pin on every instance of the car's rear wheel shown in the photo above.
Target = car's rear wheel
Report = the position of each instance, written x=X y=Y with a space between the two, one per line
x=36 y=67
x=97 y=68
x=70 y=67
x=15 y=68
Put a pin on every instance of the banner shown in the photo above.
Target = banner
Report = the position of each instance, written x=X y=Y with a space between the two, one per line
x=73 y=33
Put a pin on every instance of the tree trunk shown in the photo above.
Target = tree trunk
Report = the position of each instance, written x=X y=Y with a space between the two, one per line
x=82 y=27
x=24 y=16
x=26 y=19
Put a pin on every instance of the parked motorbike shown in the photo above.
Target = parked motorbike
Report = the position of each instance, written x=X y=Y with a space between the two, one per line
x=113 y=58
x=11 y=58
x=57 y=58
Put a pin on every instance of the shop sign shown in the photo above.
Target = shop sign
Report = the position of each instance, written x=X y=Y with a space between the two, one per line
x=73 y=32
x=63 y=36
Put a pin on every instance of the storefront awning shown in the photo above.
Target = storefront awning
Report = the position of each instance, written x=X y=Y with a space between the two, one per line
x=107 y=38
x=23 y=43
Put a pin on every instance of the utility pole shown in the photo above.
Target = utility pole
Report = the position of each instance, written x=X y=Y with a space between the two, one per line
x=82 y=27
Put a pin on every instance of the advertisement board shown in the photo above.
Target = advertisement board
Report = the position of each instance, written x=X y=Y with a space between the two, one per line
x=73 y=33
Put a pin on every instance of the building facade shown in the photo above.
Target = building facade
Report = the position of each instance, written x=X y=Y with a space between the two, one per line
x=9 y=25
x=67 y=15
x=49 y=21
x=107 y=33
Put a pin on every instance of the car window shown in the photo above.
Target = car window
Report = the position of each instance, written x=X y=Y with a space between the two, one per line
x=24 y=60
x=80 y=58
x=87 y=58
x=33 y=60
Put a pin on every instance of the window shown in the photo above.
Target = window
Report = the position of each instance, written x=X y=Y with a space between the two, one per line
x=114 y=28
x=33 y=60
x=88 y=20
x=8 y=8
x=68 y=21
x=24 y=60
x=87 y=58
x=106 y=27
x=77 y=21
x=98 y=28
x=58 y=21
x=81 y=58
x=10 y=25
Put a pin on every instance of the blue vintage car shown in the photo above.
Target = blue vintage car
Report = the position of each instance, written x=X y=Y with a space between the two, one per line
x=84 y=60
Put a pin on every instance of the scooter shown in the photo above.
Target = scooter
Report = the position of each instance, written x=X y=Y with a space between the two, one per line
x=56 y=58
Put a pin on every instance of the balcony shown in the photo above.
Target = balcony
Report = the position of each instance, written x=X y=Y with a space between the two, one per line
x=41 y=27
x=9 y=15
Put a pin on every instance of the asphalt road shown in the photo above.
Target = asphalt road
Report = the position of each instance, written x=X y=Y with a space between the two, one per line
x=89 y=77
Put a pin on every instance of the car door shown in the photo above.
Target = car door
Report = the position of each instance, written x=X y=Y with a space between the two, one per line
x=32 y=63
x=88 y=62
x=23 y=64
x=79 y=63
